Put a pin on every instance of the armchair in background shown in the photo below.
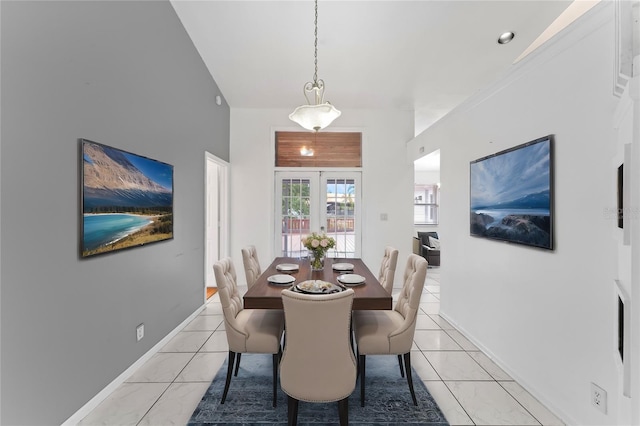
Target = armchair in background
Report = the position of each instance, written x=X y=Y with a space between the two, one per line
x=427 y=248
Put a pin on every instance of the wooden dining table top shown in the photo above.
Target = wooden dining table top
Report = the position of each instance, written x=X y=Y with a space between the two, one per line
x=370 y=295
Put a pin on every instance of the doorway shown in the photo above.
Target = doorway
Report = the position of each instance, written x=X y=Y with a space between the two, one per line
x=318 y=201
x=216 y=215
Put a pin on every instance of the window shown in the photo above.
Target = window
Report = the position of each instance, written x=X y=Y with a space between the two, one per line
x=426 y=199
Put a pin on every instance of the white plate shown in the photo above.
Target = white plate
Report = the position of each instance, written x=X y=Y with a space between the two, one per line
x=343 y=266
x=281 y=279
x=287 y=267
x=351 y=279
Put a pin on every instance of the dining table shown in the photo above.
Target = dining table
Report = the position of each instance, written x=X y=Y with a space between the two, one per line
x=368 y=294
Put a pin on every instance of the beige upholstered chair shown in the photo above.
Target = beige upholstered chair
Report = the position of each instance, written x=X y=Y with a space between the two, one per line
x=391 y=332
x=388 y=268
x=251 y=264
x=318 y=364
x=248 y=330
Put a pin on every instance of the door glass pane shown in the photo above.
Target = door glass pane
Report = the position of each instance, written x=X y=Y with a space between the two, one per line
x=340 y=224
x=296 y=202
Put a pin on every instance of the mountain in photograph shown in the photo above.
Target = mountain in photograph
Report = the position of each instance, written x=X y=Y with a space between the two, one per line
x=110 y=179
x=539 y=200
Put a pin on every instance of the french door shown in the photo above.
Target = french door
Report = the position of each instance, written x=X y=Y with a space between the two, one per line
x=317 y=201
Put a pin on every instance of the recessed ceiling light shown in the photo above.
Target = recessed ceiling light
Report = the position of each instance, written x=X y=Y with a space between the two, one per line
x=506 y=37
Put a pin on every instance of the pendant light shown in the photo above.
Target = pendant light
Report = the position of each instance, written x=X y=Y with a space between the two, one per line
x=320 y=114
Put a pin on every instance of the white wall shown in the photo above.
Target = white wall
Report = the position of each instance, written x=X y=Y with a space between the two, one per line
x=387 y=180
x=546 y=316
x=427 y=176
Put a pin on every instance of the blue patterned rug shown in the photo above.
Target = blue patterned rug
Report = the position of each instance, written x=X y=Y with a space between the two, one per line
x=388 y=401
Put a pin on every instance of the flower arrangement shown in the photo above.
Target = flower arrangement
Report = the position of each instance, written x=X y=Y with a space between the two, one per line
x=318 y=245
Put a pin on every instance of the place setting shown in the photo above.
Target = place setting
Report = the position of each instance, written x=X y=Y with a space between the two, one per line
x=281 y=279
x=351 y=280
x=288 y=267
x=343 y=267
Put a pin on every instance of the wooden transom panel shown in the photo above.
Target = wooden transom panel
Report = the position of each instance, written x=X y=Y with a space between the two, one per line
x=330 y=149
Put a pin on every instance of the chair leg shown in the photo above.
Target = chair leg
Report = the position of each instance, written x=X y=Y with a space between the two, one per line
x=361 y=358
x=232 y=357
x=237 y=364
x=292 y=411
x=400 y=364
x=276 y=361
x=407 y=364
x=343 y=411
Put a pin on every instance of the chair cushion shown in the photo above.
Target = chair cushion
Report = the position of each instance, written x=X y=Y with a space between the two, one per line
x=262 y=330
x=375 y=333
x=434 y=242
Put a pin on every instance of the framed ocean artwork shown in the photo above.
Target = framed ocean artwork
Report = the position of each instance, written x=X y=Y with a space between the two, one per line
x=511 y=195
x=126 y=199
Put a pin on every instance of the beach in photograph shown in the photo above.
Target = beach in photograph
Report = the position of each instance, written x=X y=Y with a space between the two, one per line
x=143 y=229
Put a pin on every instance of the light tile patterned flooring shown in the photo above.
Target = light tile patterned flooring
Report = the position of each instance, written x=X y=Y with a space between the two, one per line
x=469 y=388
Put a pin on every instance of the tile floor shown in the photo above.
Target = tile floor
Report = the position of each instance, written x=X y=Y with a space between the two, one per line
x=469 y=388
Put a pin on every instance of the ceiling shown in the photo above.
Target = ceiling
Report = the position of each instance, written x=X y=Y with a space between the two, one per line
x=423 y=56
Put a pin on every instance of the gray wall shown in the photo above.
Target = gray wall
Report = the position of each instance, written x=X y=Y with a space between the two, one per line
x=127 y=75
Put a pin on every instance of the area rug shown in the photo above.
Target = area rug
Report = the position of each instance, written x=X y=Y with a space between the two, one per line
x=388 y=400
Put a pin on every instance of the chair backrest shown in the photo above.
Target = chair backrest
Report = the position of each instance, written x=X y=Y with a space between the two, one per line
x=424 y=237
x=408 y=303
x=226 y=280
x=318 y=364
x=388 y=268
x=251 y=264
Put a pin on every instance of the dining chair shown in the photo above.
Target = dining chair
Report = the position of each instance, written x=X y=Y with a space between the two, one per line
x=388 y=268
x=251 y=265
x=390 y=332
x=318 y=364
x=248 y=330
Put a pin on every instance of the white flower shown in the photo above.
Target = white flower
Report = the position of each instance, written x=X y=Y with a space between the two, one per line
x=324 y=243
x=315 y=243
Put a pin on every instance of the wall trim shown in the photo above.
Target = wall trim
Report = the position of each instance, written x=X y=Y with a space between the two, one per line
x=111 y=387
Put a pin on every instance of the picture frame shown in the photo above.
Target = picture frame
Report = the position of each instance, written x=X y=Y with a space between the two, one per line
x=511 y=195
x=620 y=196
x=126 y=199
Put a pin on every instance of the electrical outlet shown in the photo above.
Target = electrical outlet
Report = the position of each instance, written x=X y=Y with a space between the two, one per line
x=599 y=398
x=139 y=332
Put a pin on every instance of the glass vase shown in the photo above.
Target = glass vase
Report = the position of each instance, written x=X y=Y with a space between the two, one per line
x=317 y=260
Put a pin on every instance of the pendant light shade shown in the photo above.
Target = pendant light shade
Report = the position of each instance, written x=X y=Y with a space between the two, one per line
x=315 y=117
x=319 y=114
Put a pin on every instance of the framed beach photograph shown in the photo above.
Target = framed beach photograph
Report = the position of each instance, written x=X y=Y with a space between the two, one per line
x=126 y=199
x=511 y=195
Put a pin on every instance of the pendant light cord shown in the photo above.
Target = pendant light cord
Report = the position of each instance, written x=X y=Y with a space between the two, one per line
x=315 y=47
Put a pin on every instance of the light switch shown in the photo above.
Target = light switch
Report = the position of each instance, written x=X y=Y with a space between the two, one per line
x=383 y=216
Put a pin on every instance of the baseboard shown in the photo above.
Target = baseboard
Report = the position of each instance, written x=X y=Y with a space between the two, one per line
x=537 y=395
x=108 y=390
